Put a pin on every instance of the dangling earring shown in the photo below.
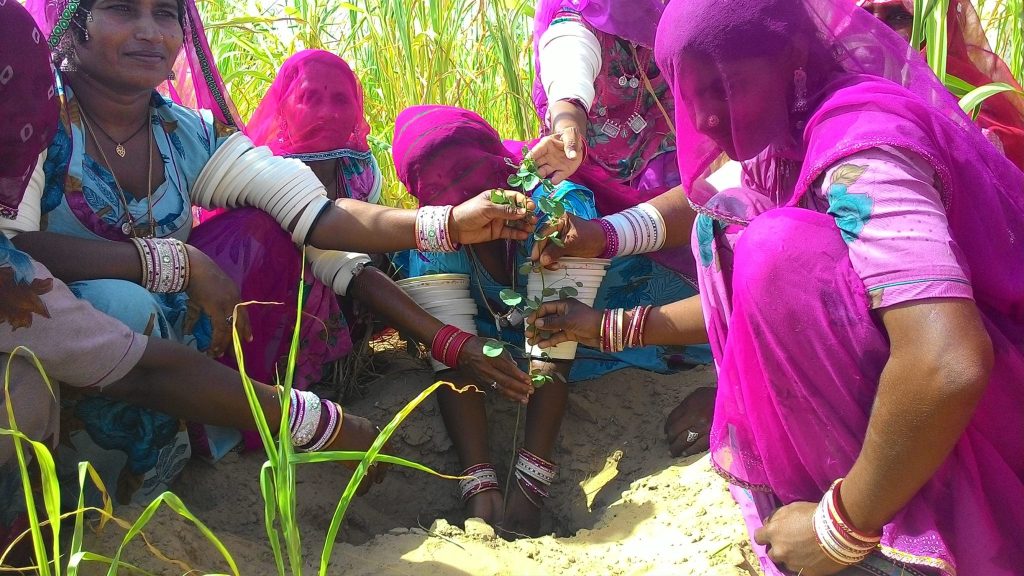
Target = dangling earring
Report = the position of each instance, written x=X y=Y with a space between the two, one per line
x=68 y=63
x=171 y=75
x=800 y=90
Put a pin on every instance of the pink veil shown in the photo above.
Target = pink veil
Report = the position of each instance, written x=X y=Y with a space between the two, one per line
x=197 y=82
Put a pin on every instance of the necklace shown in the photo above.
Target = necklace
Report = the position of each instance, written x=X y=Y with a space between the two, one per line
x=129 y=227
x=507 y=320
x=635 y=121
x=119 y=148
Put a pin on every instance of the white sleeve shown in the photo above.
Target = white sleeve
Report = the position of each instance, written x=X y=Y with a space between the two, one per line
x=570 y=60
x=31 y=207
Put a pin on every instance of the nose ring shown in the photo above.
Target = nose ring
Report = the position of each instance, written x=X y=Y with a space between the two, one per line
x=713 y=121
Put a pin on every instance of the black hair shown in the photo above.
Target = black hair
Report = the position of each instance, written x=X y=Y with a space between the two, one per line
x=80 y=18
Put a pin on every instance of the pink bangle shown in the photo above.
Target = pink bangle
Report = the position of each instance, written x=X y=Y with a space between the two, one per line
x=611 y=239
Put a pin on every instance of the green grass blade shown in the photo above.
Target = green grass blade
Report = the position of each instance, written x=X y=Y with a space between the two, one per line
x=270 y=514
x=369 y=458
x=973 y=100
x=340 y=456
x=174 y=503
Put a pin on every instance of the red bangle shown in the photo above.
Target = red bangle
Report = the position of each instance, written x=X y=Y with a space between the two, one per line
x=455 y=349
x=440 y=340
x=844 y=523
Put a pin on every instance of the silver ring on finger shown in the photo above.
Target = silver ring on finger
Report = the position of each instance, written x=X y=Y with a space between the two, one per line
x=691 y=436
x=494 y=384
x=230 y=319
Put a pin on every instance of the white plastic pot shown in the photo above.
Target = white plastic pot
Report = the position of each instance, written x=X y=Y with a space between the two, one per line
x=587 y=271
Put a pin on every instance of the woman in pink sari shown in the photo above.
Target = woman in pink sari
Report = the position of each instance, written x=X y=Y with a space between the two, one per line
x=863 y=293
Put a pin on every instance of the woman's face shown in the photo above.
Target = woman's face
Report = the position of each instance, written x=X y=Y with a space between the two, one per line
x=894 y=15
x=132 y=43
x=320 y=105
x=743 y=105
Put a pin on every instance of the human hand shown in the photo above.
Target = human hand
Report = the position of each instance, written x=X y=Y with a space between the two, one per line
x=688 y=426
x=480 y=220
x=564 y=321
x=212 y=292
x=792 y=544
x=500 y=374
x=559 y=155
x=580 y=238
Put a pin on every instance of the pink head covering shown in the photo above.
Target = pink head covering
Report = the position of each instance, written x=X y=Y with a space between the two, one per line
x=865 y=88
x=197 y=82
x=28 y=105
x=444 y=154
x=314 y=106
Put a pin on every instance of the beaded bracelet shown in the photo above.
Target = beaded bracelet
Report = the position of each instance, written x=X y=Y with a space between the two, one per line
x=165 y=264
x=432 y=234
x=836 y=536
x=638 y=230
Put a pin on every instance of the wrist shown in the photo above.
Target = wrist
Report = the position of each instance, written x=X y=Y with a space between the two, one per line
x=860 y=514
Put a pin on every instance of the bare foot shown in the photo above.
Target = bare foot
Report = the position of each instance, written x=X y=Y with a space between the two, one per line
x=688 y=427
x=522 y=517
x=488 y=506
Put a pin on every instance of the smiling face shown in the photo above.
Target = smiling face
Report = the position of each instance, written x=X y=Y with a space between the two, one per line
x=132 y=44
x=321 y=102
x=742 y=105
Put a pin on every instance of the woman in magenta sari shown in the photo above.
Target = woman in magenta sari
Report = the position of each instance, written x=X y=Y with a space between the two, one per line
x=862 y=293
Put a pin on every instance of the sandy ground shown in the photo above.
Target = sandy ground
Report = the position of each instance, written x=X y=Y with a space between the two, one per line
x=622 y=504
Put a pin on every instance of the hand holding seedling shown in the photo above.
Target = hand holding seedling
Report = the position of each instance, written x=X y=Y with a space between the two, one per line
x=480 y=219
x=558 y=156
x=478 y=360
x=580 y=238
x=564 y=321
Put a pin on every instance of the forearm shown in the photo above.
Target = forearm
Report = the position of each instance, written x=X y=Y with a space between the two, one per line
x=355 y=226
x=178 y=381
x=564 y=114
x=386 y=299
x=926 y=397
x=679 y=323
x=679 y=216
x=74 y=259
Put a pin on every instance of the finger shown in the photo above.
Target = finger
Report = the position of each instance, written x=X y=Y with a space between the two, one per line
x=220 y=328
x=537 y=252
x=507 y=366
x=702 y=444
x=546 y=170
x=570 y=141
x=520 y=200
x=551 y=255
x=515 y=391
x=556 y=322
x=761 y=536
x=680 y=444
x=551 y=341
x=552 y=308
x=558 y=176
x=242 y=324
x=511 y=387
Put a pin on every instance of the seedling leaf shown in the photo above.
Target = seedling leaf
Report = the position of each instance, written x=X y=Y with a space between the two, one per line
x=510 y=297
x=493 y=348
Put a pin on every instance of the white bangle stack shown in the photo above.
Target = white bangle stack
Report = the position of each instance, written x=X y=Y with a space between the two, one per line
x=638 y=230
x=30 y=210
x=432 y=233
x=242 y=174
x=165 y=264
x=335 y=268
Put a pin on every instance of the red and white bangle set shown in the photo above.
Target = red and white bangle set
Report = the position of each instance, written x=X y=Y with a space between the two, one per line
x=432 y=233
x=448 y=344
x=534 y=475
x=482 y=477
x=616 y=336
x=638 y=230
x=836 y=536
x=313 y=424
x=165 y=265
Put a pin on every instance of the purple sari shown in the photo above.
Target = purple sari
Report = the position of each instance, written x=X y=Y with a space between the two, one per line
x=798 y=351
